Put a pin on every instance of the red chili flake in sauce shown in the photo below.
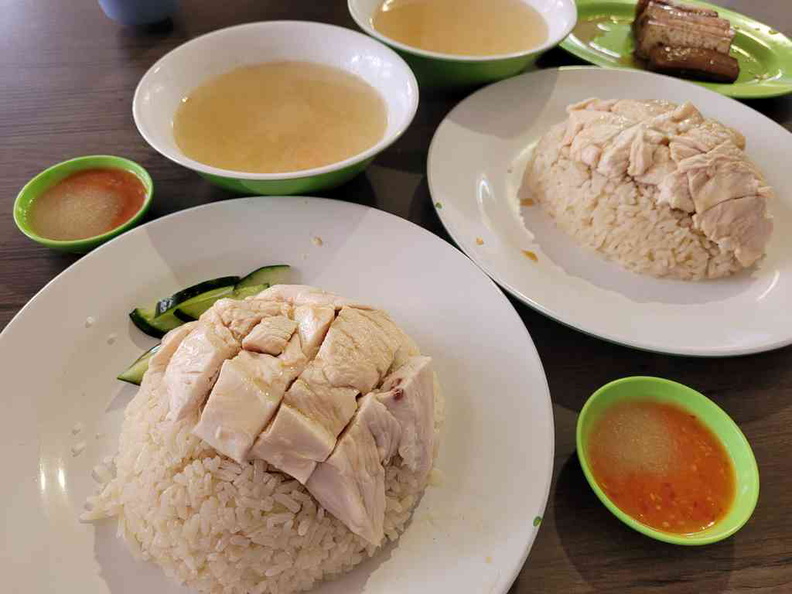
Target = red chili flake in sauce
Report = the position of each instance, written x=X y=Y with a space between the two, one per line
x=662 y=466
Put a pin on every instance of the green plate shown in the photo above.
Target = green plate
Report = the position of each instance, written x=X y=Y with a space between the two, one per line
x=603 y=37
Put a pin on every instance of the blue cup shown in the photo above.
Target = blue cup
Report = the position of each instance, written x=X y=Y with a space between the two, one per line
x=138 y=12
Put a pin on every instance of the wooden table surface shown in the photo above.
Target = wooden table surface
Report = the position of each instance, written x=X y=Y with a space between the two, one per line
x=67 y=75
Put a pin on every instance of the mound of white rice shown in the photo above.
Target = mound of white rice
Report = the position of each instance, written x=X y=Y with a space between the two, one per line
x=220 y=526
x=613 y=203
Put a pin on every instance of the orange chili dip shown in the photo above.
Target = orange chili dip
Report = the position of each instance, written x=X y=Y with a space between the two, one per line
x=661 y=465
x=87 y=203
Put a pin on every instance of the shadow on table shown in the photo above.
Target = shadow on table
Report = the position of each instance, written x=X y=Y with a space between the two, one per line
x=749 y=388
x=592 y=538
x=358 y=190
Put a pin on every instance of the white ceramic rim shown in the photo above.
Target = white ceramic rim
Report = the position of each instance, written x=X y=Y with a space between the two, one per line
x=184 y=161
x=365 y=25
x=547 y=309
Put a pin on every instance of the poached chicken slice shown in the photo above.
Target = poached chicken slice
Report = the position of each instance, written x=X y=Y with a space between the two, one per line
x=357 y=352
x=270 y=336
x=245 y=397
x=408 y=394
x=307 y=295
x=313 y=321
x=350 y=484
x=170 y=342
x=240 y=317
x=195 y=364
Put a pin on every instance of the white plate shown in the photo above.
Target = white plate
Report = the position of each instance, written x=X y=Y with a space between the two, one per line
x=475 y=167
x=471 y=533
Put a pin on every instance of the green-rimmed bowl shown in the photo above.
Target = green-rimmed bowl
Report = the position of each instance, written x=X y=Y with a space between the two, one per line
x=51 y=176
x=713 y=417
x=434 y=69
x=603 y=36
x=173 y=77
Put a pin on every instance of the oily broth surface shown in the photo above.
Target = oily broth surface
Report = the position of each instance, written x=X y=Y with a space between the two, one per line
x=279 y=117
x=462 y=27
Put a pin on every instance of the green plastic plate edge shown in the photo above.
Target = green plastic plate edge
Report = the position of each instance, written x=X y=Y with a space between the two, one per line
x=774 y=42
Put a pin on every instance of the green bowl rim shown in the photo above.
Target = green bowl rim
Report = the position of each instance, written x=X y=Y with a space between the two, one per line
x=475 y=59
x=87 y=162
x=677 y=539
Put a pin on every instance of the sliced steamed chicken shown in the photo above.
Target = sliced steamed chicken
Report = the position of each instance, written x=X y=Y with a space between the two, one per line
x=313 y=321
x=350 y=484
x=270 y=336
x=194 y=366
x=244 y=398
x=307 y=295
x=196 y=363
x=159 y=360
x=283 y=373
x=356 y=354
x=408 y=394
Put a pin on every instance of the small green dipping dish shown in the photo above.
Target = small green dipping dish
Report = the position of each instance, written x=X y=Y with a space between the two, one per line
x=712 y=416
x=49 y=177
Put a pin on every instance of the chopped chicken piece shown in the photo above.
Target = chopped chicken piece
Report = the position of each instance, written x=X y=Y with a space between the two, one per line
x=719 y=175
x=313 y=321
x=170 y=342
x=305 y=295
x=245 y=397
x=270 y=336
x=305 y=428
x=351 y=483
x=240 y=317
x=357 y=352
x=292 y=443
x=741 y=224
x=408 y=394
x=194 y=366
x=633 y=110
x=407 y=349
x=359 y=348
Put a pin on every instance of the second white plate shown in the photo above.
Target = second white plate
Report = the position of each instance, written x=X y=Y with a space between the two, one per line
x=475 y=168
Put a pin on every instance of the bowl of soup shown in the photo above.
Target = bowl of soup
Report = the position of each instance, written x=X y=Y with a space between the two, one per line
x=667 y=461
x=279 y=107
x=78 y=204
x=450 y=43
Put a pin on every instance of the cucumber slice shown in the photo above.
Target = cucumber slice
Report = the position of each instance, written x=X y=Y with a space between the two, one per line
x=134 y=373
x=180 y=297
x=244 y=292
x=266 y=275
x=188 y=304
x=183 y=316
x=193 y=308
x=153 y=325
